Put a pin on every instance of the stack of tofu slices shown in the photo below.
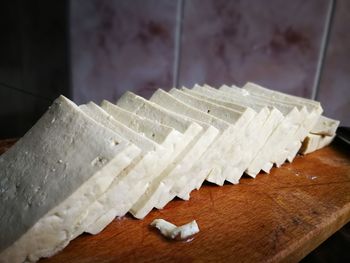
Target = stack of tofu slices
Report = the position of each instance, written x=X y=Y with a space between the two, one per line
x=79 y=167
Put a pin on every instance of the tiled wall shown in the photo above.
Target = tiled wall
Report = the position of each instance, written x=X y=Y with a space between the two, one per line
x=274 y=43
x=143 y=45
x=334 y=92
x=121 y=45
x=101 y=48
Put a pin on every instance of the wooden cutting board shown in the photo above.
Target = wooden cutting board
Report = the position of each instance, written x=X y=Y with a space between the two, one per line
x=279 y=217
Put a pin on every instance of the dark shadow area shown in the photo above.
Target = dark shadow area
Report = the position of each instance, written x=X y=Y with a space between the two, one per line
x=334 y=249
x=34 y=61
x=341 y=141
x=17 y=125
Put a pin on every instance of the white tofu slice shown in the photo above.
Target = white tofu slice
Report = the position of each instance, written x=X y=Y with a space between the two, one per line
x=321 y=135
x=310 y=110
x=212 y=159
x=273 y=120
x=51 y=175
x=239 y=120
x=127 y=188
x=138 y=105
x=325 y=126
x=313 y=107
x=315 y=142
x=276 y=145
x=159 y=190
x=252 y=141
x=152 y=111
x=159 y=133
x=295 y=114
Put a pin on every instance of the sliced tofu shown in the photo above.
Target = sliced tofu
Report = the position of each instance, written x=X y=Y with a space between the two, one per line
x=233 y=159
x=138 y=105
x=295 y=114
x=314 y=108
x=310 y=110
x=152 y=111
x=43 y=191
x=251 y=141
x=275 y=146
x=273 y=120
x=312 y=105
x=159 y=189
x=321 y=135
x=315 y=142
x=127 y=188
x=212 y=159
x=325 y=126
x=155 y=131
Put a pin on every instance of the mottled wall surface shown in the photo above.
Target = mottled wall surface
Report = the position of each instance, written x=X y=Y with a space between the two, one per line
x=98 y=49
x=131 y=45
x=274 y=43
x=121 y=45
x=334 y=92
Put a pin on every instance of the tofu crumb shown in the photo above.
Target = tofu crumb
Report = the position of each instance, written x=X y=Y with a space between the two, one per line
x=172 y=231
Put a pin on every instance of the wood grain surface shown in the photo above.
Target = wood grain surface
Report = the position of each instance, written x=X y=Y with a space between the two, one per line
x=279 y=217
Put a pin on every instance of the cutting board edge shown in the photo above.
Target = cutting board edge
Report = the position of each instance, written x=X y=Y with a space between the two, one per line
x=302 y=247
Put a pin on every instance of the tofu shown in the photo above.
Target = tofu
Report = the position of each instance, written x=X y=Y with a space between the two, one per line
x=212 y=159
x=152 y=111
x=310 y=144
x=172 y=231
x=252 y=169
x=314 y=108
x=315 y=142
x=310 y=110
x=275 y=147
x=321 y=135
x=325 y=126
x=159 y=190
x=311 y=105
x=295 y=115
x=155 y=131
x=239 y=121
x=145 y=143
x=138 y=105
x=251 y=140
x=270 y=125
x=273 y=120
x=131 y=183
x=51 y=175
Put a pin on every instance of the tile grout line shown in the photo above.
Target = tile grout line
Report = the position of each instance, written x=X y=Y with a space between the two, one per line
x=177 y=45
x=323 y=49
